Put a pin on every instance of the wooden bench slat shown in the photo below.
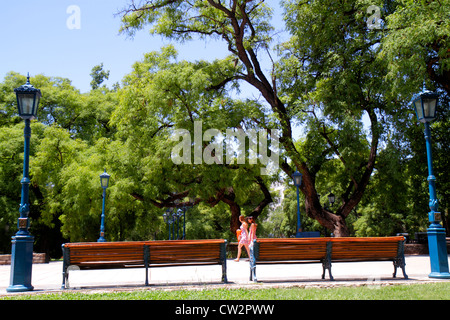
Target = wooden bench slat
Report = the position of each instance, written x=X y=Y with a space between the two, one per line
x=291 y=249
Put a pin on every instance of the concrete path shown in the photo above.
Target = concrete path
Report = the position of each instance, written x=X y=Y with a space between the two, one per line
x=48 y=277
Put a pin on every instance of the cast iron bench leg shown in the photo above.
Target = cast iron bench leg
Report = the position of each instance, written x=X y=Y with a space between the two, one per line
x=223 y=261
x=66 y=262
x=326 y=263
x=146 y=262
x=400 y=263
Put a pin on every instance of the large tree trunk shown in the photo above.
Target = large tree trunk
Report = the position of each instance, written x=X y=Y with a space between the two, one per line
x=333 y=221
x=234 y=219
x=229 y=198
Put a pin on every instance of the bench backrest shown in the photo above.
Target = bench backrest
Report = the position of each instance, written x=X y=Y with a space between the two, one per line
x=290 y=249
x=366 y=248
x=136 y=252
x=276 y=249
x=186 y=251
x=85 y=253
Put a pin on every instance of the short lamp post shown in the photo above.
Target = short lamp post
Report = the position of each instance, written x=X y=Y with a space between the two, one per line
x=331 y=198
x=187 y=205
x=180 y=215
x=425 y=106
x=104 y=182
x=297 y=177
x=169 y=220
x=22 y=243
x=184 y=221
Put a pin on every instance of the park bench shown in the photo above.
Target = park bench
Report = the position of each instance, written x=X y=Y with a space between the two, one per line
x=144 y=254
x=327 y=251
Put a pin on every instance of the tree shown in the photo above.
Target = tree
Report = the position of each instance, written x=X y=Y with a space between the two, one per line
x=11 y=130
x=331 y=80
x=417 y=46
x=68 y=132
x=70 y=155
x=244 y=26
x=127 y=131
x=162 y=96
x=98 y=76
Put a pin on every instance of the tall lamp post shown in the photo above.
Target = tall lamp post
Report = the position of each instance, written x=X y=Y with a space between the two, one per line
x=297 y=177
x=104 y=182
x=425 y=106
x=22 y=243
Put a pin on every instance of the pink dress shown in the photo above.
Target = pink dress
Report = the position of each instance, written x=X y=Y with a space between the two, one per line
x=244 y=236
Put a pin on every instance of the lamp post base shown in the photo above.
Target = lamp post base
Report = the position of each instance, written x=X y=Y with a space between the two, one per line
x=19 y=288
x=437 y=247
x=21 y=264
x=439 y=275
x=102 y=237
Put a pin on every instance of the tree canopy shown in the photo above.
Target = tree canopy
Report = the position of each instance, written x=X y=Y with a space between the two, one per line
x=345 y=83
x=330 y=75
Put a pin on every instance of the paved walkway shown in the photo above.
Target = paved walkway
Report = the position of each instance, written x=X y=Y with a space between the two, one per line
x=48 y=277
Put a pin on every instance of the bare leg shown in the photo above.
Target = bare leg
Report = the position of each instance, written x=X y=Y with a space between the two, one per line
x=239 y=252
x=248 y=250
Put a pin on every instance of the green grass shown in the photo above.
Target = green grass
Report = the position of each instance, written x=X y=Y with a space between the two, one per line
x=430 y=291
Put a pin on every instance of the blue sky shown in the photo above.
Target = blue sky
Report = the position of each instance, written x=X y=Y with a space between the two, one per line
x=36 y=39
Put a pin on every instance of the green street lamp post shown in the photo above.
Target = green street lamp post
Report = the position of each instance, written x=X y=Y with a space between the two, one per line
x=425 y=106
x=104 y=182
x=187 y=205
x=297 y=177
x=22 y=243
x=179 y=216
x=184 y=222
x=169 y=220
x=331 y=198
